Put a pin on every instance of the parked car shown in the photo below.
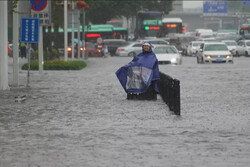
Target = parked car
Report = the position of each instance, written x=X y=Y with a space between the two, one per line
x=232 y=45
x=214 y=52
x=193 y=48
x=167 y=54
x=243 y=48
x=113 y=44
x=132 y=49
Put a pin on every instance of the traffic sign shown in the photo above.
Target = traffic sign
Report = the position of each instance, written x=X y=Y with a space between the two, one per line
x=41 y=9
x=246 y=2
x=38 y=5
x=215 y=7
x=99 y=40
x=29 y=30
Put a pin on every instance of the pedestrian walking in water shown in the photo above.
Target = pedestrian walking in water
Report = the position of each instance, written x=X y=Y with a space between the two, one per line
x=140 y=76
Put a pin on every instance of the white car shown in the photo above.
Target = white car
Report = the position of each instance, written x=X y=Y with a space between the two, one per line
x=232 y=45
x=167 y=54
x=193 y=48
x=132 y=49
x=243 y=48
x=214 y=52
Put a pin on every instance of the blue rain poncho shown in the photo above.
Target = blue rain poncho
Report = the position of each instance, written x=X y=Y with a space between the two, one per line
x=140 y=73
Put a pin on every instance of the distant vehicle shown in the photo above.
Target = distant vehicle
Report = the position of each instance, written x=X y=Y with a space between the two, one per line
x=148 y=24
x=193 y=48
x=113 y=44
x=214 y=52
x=167 y=54
x=182 y=41
x=211 y=39
x=203 y=33
x=132 y=49
x=227 y=36
x=92 y=50
x=244 y=30
x=171 y=25
x=104 y=31
x=232 y=46
x=243 y=48
x=155 y=41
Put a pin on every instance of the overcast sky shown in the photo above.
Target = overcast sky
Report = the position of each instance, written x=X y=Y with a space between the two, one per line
x=192 y=4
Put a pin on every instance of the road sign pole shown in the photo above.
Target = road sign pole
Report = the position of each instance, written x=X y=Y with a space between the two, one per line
x=40 y=49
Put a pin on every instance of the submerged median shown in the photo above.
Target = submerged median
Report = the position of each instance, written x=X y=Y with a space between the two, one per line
x=57 y=65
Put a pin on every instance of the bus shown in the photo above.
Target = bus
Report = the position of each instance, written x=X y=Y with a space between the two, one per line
x=121 y=33
x=148 y=24
x=172 y=25
x=105 y=31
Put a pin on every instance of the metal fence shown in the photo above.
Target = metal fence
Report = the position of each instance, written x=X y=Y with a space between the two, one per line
x=169 y=90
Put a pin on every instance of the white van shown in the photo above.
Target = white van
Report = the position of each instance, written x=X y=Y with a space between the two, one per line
x=203 y=33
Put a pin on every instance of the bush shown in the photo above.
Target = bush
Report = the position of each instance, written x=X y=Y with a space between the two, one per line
x=57 y=65
x=47 y=55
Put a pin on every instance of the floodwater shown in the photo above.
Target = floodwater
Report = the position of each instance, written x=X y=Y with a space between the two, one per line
x=82 y=118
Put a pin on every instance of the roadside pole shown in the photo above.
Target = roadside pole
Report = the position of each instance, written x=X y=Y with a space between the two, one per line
x=28 y=73
x=16 y=25
x=78 y=35
x=83 y=36
x=73 y=33
x=3 y=46
x=65 y=30
x=40 y=50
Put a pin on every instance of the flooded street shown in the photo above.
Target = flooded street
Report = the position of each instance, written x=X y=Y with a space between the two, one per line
x=82 y=118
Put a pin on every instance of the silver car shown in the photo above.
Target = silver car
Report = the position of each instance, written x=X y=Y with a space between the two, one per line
x=214 y=52
x=232 y=46
x=132 y=49
x=243 y=48
x=167 y=54
x=193 y=47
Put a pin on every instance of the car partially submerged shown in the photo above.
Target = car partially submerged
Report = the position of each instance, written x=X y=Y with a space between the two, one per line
x=167 y=54
x=214 y=52
x=131 y=49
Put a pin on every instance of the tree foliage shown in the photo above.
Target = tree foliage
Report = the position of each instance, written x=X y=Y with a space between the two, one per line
x=104 y=10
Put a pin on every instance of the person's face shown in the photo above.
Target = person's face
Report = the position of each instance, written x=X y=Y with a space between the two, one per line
x=146 y=48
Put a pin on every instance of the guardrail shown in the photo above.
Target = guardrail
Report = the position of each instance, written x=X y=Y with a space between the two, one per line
x=169 y=90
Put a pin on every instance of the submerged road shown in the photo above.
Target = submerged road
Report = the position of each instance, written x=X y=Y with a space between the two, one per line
x=82 y=118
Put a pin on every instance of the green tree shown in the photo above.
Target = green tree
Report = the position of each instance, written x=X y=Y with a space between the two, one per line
x=104 y=10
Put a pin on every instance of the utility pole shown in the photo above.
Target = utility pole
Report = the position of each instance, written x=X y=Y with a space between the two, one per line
x=3 y=46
